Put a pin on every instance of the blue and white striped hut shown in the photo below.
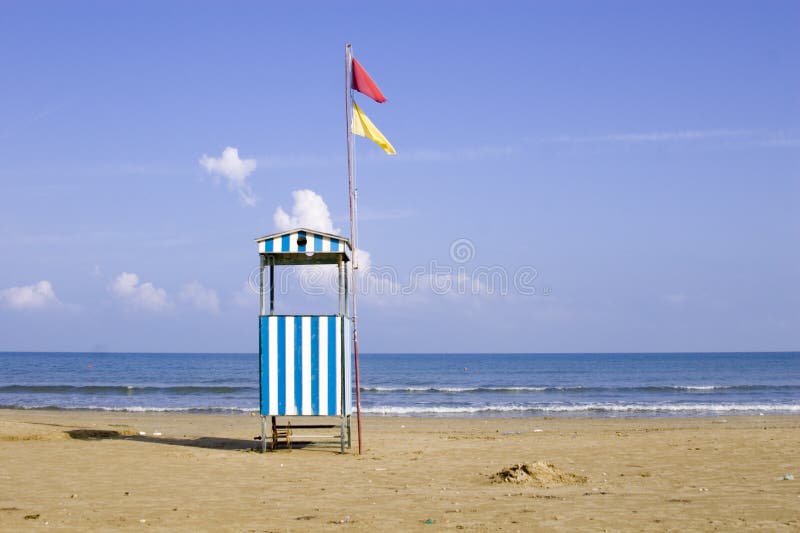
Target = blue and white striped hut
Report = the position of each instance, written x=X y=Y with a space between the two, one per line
x=304 y=360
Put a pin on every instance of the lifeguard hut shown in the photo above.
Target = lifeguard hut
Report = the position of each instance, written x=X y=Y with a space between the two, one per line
x=304 y=360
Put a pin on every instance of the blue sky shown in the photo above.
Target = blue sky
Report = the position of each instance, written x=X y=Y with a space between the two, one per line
x=642 y=159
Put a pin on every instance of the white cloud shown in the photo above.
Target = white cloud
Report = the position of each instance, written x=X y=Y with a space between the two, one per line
x=234 y=170
x=200 y=297
x=141 y=295
x=308 y=211
x=37 y=296
x=778 y=142
x=666 y=136
x=652 y=136
x=468 y=153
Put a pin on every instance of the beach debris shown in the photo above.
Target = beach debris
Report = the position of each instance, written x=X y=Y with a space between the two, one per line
x=540 y=474
x=787 y=477
x=429 y=521
x=93 y=434
x=156 y=433
x=32 y=516
x=538 y=430
x=142 y=433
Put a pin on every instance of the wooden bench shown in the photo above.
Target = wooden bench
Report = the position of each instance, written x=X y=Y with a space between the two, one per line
x=286 y=433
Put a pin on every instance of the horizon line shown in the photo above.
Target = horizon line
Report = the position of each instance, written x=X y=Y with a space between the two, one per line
x=412 y=353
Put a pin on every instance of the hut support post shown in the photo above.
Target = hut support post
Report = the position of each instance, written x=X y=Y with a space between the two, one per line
x=261 y=303
x=271 y=285
x=263 y=434
x=261 y=293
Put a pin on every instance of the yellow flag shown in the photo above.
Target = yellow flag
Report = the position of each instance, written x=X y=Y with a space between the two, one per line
x=364 y=127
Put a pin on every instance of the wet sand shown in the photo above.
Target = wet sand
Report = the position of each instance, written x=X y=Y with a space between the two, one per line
x=93 y=470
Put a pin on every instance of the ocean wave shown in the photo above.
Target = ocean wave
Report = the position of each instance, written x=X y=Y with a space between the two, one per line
x=590 y=409
x=577 y=389
x=134 y=409
x=126 y=390
x=713 y=387
x=586 y=408
x=455 y=389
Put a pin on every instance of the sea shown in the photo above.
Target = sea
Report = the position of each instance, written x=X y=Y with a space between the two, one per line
x=422 y=385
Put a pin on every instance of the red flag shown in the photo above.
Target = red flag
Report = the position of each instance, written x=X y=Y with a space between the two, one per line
x=364 y=84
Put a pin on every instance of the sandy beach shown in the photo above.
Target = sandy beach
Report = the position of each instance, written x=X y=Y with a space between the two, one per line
x=84 y=470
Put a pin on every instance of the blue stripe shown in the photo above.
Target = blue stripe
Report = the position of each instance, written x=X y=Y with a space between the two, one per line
x=317 y=243
x=268 y=245
x=334 y=245
x=298 y=362
x=300 y=248
x=332 y=377
x=315 y=365
x=281 y=364
x=285 y=243
x=263 y=340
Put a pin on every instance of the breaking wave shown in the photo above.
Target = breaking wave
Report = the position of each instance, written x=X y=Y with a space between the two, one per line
x=588 y=409
x=126 y=390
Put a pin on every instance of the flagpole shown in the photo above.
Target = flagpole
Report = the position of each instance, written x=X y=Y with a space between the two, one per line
x=353 y=245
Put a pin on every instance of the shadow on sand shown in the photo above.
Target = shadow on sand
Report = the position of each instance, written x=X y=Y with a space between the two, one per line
x=212 y=443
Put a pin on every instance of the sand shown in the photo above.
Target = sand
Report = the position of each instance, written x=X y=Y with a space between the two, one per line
x=89 y=470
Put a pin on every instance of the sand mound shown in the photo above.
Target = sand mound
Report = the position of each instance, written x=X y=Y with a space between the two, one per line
x=21 y=431
x=539 y=474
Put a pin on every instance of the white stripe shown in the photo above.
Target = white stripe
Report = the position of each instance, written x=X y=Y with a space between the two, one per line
x=262 y=247
x=272 y=358
x=306 y=329
x=291 y=408
x=323 y=365
x=338 y=365
x=293 y=242
x=326 y=244
x=348 y=386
